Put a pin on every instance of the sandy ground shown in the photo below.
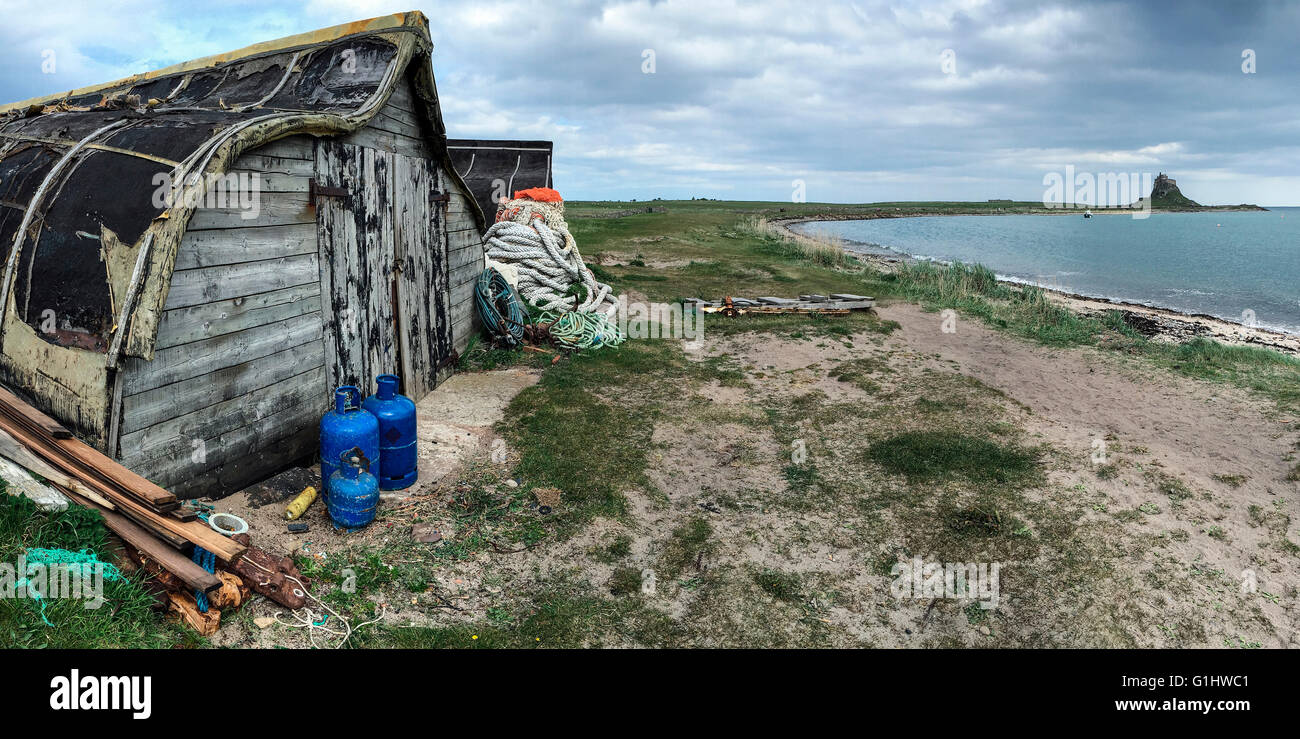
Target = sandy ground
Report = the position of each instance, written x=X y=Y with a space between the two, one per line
x=1174 y=575
x=1209 y=565
x=454 y=424
x=1232 y=451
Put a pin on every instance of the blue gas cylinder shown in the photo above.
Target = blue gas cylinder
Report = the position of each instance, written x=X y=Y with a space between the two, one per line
x=343 y=428
x=352 y=494
x=396 y=414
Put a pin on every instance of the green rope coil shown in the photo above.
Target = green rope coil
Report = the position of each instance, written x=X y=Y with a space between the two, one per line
x=499 y=308
x=583 y=329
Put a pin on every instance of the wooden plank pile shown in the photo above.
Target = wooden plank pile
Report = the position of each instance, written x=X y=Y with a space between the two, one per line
x=835 y=304
x=157 y=533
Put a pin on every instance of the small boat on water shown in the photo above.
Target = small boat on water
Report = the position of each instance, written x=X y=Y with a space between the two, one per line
x=1087 y=214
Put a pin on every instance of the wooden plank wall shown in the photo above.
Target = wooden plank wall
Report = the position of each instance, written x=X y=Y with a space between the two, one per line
x=239 y=365
x=240 y=378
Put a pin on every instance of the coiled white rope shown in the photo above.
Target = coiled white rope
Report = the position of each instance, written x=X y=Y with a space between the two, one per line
x=548 y=262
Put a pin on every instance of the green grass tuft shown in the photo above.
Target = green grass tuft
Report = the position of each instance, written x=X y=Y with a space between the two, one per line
x=784 y=586
x=944 y=454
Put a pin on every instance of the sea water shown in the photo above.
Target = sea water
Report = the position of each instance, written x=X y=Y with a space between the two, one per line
x=1239 y=266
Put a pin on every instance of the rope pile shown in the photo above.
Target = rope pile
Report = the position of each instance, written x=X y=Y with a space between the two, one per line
x=530 y=242
x=582 y=330
x=532 y=235
x=315 y=621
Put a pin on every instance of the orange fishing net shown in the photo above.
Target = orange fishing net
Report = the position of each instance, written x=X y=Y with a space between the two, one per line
x=540 y=194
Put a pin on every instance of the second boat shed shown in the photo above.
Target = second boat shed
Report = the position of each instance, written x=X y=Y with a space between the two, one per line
x=198 y=339
x=495 y=169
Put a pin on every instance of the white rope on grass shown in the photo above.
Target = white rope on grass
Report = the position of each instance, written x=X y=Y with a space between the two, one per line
x=307 y=620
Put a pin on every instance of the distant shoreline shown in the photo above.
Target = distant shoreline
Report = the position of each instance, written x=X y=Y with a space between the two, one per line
x=1011 y=209
x=1161 y=323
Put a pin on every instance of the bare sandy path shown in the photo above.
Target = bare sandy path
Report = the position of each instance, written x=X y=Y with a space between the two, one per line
x=1206 y=464
x=1081 y=395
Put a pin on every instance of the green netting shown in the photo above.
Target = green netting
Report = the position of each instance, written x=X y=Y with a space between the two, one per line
x=82 y=562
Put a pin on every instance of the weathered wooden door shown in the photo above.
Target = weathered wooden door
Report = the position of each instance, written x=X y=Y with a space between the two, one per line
x=383 y=266
x=422 y=291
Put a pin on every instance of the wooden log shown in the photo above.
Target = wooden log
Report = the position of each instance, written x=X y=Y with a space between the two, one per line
x=232 y=593
x=185 y=607
x=275 y=577
x=162 y=579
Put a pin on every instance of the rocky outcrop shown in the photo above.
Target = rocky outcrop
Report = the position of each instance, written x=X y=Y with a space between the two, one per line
x=1165 y=194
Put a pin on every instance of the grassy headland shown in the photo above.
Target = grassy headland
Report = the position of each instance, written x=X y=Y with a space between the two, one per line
x=771 y=480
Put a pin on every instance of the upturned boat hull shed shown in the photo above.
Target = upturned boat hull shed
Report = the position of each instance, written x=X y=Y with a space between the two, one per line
x=194 y=257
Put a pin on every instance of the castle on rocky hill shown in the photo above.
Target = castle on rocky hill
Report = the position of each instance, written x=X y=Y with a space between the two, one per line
x=1164 y=185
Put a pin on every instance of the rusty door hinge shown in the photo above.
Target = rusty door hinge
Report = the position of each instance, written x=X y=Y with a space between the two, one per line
x=315 y=190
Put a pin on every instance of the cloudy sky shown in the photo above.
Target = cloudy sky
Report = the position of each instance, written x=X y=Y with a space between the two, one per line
x=861 y=100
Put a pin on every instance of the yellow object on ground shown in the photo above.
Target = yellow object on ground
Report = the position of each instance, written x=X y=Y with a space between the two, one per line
x=299 y=505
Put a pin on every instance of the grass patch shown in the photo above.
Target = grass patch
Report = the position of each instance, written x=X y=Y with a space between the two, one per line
x=480 y=356
x=862 y=373
x=783 y=586
x=800 y=477
x=1171 y=486
x=982 y=521
x=625 y=581
x=922 y=455
x=556 y=618
x=823 y=249
x=974 y=289
x=717 y=248
x=124 y=621
x=686 y=548
x=1263 y=371
x=618 y=549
